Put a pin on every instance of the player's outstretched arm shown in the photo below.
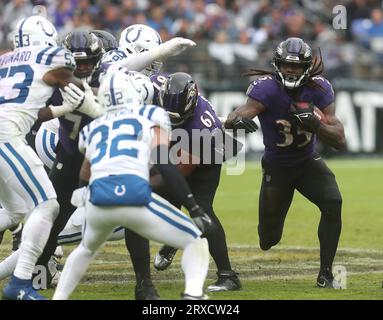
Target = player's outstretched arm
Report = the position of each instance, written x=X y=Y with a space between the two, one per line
x=139 y=61
x=332 y=133
x=239 y=118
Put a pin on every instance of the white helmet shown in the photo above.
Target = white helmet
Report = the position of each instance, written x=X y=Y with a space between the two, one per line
x=118 y=90
x=34 y=31
x=139 y=38
x=144 y=82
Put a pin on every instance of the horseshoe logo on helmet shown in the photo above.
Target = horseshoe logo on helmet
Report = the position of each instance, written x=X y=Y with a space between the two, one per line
x=41 y=24
x=136 y=38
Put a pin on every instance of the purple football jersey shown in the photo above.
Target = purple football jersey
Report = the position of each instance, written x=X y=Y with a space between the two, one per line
x=203 y=117
x=286 y=144
x=158 y=80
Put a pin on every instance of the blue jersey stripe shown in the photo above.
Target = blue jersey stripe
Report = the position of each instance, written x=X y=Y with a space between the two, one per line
x=52 y=141
x=172 y=210
x=172 y=222
x=19 y=176
x=150 y=114
x=112 y=91
x=28 y=170
x=141 y=112
x=45 y=143
x=83 y=134
x=41 y=54
x=51 y=55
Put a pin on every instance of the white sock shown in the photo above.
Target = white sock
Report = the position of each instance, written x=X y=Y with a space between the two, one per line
x=74 y=269
x=34 y=238
x=8 y=265
x=195 y=264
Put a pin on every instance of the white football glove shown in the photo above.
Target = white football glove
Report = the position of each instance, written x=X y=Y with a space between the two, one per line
x=86 y=101
x=71 y=101
x=170 y=48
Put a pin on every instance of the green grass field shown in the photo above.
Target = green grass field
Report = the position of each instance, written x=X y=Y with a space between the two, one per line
x=288 y=271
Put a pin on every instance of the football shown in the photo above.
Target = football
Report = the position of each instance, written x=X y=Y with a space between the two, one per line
x=320 y=115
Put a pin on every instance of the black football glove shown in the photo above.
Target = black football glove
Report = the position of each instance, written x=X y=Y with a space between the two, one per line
x=244 y=123
x=202 y=220
x=302 y=114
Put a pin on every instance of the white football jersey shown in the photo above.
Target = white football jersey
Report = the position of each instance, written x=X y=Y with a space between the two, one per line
x=22 y=89
x=119 y=141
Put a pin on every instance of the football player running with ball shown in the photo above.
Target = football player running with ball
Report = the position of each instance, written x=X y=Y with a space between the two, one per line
x=286 y=102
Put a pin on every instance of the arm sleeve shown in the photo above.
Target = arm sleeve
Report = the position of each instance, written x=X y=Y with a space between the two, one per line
x=133 y=62
x=159 y=117
x=325 y=94
x=258 y=90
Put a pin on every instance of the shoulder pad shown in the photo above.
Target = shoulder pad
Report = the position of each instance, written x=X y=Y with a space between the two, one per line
x=56 y=57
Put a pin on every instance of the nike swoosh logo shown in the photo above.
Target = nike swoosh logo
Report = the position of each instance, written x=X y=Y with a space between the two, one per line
x=323 y=284
x=316 y=159
x=30 y=297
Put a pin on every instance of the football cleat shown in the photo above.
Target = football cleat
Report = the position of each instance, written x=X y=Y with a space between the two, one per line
x=185 y=296
x=16 y=237
x=19 y=289
x=145 y=290
x=326 y=280
x=227 y=281
x=164 y=258
x=55 y=269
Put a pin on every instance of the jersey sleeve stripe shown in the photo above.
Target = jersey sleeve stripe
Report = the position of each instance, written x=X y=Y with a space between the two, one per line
x=28 y=170
x=51 y=55
x=141 y=112
x=150 y=114
x=41 y=54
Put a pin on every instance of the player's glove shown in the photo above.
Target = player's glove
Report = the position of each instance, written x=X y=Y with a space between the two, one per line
x=85 y=100
x=69 y=104
x=302 y=114
x=202 y=220
x=171 y=47
x=246 y=124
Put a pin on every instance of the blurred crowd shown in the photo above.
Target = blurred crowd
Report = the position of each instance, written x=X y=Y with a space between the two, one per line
x=237 y=33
